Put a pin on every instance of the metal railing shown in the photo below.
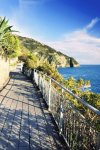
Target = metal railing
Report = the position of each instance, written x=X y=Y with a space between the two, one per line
x=80 y=128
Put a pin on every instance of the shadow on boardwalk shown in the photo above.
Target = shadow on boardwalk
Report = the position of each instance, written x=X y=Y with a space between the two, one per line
x=25 y=123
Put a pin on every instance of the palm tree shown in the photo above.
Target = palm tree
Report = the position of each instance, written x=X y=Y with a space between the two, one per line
x=4 y=27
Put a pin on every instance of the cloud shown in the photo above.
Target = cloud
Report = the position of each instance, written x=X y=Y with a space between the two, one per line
x=92 y=23
x=80 y=45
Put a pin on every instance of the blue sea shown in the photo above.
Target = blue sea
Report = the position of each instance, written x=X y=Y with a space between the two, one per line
x=87 y=72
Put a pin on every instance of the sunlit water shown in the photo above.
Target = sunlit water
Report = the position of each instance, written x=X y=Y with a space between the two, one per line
x=87 y=72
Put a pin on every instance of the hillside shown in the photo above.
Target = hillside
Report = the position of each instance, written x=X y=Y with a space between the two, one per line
x=45 y=52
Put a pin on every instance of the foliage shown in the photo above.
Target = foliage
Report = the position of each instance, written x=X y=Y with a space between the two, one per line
x=74 y=85
x=91 y=98
x=10 y=46
x=70 y=83
x=4 y=28
x=50 y=70
x=24 y=54
x=44 y=57
x=31 y=61
x=45 y=53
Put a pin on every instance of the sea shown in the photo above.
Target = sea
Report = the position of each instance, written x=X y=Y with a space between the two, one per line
x=87 y=72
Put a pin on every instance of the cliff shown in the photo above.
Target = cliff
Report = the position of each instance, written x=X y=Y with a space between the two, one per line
x=45 y=52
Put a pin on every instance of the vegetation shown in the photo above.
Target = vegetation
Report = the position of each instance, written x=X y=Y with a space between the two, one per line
x=46 y=53
x=45 y=59
x=50 y=71
x=4 y=28
x=10 y=46
x=33 y=61
x=9 y=43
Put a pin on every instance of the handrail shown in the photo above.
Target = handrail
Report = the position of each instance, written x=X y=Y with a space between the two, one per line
x=95 y=110
x=79 y=130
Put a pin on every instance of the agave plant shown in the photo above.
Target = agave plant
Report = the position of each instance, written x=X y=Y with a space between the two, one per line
x=4 y=27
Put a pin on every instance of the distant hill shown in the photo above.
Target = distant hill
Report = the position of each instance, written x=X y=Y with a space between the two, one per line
x=47 y=53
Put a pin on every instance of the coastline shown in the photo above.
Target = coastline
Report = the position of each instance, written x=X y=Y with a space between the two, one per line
x=87 y=72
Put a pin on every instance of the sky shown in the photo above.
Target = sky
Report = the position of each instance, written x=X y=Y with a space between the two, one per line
x=69 y=26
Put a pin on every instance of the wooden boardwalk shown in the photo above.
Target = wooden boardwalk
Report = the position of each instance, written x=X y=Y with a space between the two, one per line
x=25 y=123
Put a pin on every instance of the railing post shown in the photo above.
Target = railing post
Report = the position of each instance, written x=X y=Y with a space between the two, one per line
x=61 y=118
x=43 y=86
x=35 y=76
x=61 y=114
x=21 y=68
x=49 y=94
